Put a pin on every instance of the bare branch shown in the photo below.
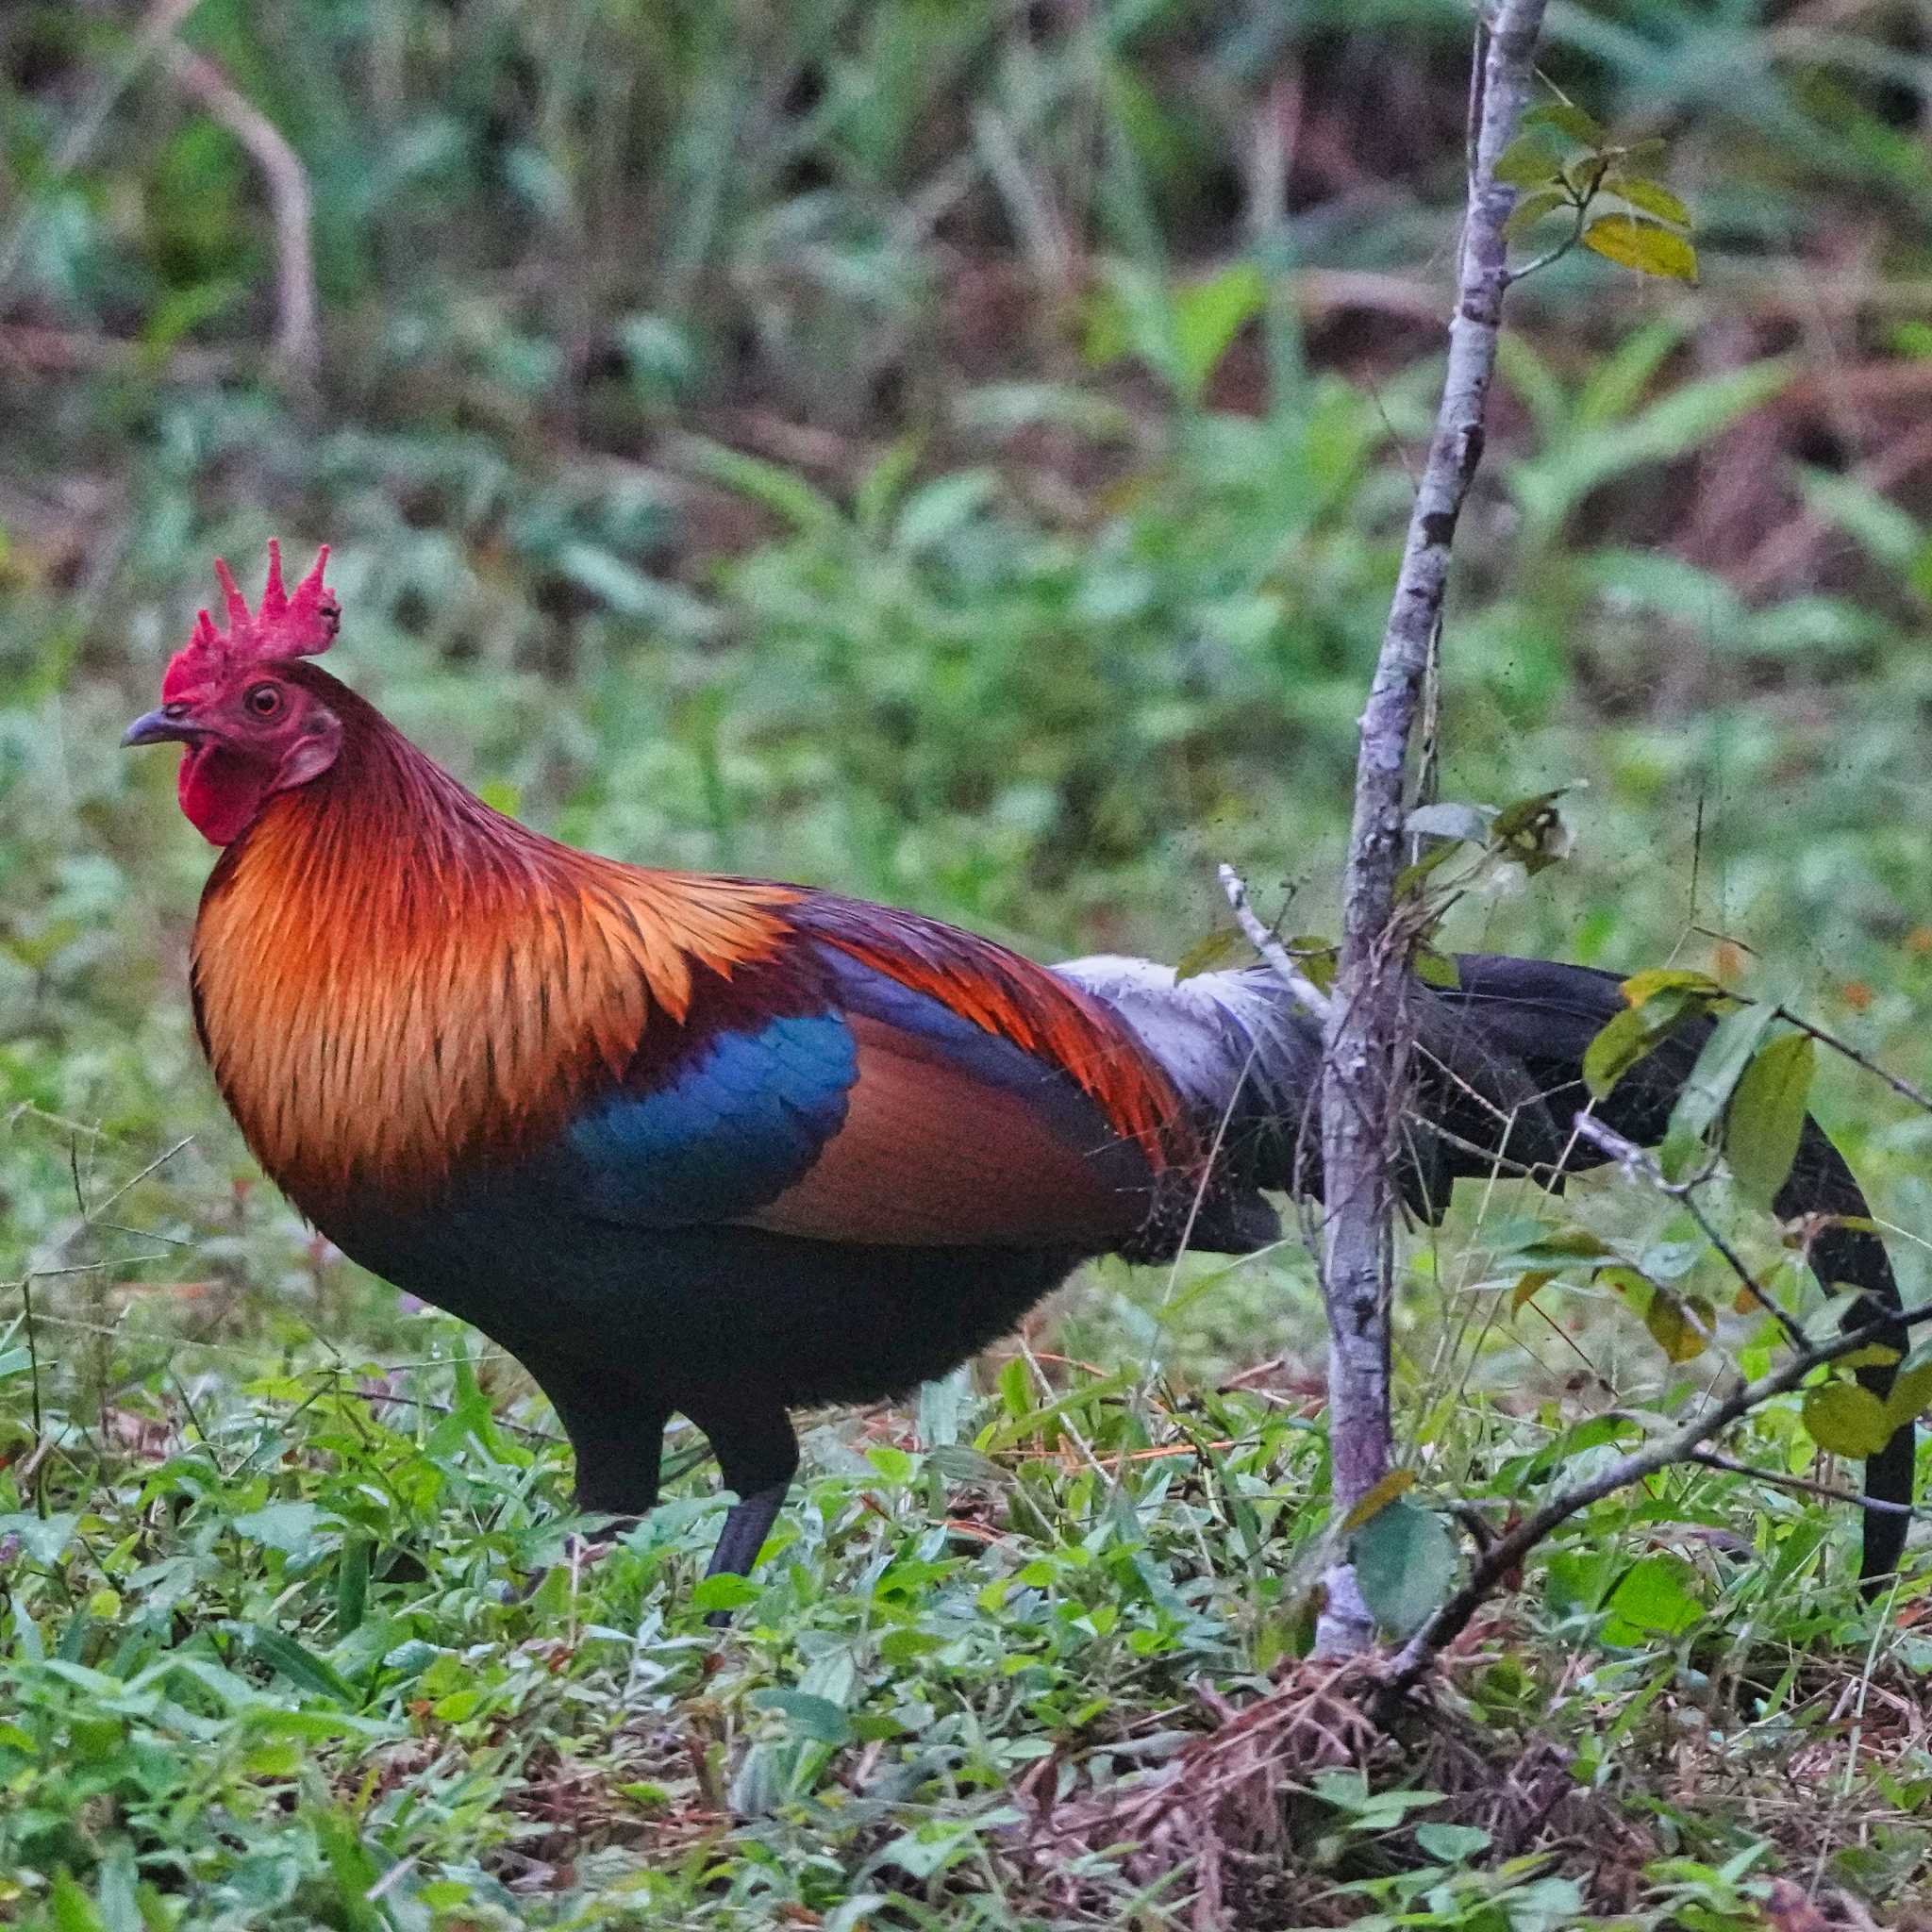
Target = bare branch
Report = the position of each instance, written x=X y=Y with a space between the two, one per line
x=1858 y=1499
x=1904 y=1089
x=1641 y=1164
x=72 y=352
x=1362 y=1097
x=297 y=343
x=1269 y=945
x=1494 y=1563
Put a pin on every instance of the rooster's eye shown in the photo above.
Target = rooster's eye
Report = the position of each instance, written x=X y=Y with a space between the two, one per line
x=264 y=700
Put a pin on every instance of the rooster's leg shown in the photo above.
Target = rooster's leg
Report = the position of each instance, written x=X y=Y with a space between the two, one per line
x=757 y=1455
x=746 y=1526
x=615 y=1425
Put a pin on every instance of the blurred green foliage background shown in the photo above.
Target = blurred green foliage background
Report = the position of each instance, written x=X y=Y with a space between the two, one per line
x=956 y=450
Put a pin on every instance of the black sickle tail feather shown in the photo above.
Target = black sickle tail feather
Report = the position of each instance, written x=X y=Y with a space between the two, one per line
x=1499 y=1070
x=1546 y=1015
x=1822 y=1182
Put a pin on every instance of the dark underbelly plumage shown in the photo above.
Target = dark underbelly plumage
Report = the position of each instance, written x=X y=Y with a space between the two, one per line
x=688 y=1317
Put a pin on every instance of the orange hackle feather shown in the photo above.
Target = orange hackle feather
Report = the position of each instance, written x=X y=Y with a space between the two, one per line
x=393 y=980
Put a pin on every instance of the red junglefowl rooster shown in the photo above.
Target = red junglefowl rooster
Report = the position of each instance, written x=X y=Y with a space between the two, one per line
x=725 y=1147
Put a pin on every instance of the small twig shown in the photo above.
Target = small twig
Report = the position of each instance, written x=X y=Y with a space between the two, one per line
x=1709 y=1458
x=1550 y=257
x=1904 y=1089
x=1429 y=775
x=73 y=352
x=69 y=1267
x=148 y=1234
x=1422 y=1650
x=187 y=1402
x=26 y=1110
x=134 y=1180
x=1269 y=945
x=1639 y=1164
x=33 y=1369
x=1481 y=1530
x=297 y=341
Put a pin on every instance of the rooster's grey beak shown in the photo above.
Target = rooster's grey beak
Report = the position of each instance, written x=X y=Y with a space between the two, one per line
x=157 y=727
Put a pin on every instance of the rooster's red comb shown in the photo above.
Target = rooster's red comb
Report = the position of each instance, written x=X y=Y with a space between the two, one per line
x=285 y=624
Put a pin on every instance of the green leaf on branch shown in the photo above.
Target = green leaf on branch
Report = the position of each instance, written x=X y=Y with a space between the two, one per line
x=1910 y=1396
x=1681 y=1326
x=1641 y=154
x=1208 y=314
x=1643 y=987
x=1317 y=957
x=1626 y=1038
x=1657 y=1000
x=1844 y=1420
x=1647 y=246
x=1584 y=176
x=1530 y=208
x=1450 y=819
x=1720 y=1066
x=1874 y=1355
x=1411 y=876
x=1564 y=1244
x=1567 y=118
x=1397 y=1483
x=1766 y=1116
x=1529 y=1285
x=1653 y=197
x=1528 y=161
x=1217 y=949
x=1657 y=1594
x=1405 y=1563
x=1531 y=830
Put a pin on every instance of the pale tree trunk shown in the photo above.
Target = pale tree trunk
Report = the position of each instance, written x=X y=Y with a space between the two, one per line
x=1366 y=1069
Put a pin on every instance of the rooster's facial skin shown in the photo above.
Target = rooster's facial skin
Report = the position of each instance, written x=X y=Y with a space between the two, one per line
x=251 y=729
x=246 y=738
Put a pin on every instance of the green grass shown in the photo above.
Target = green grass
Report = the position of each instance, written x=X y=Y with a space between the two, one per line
x=298 y=1636
x=928 y=450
